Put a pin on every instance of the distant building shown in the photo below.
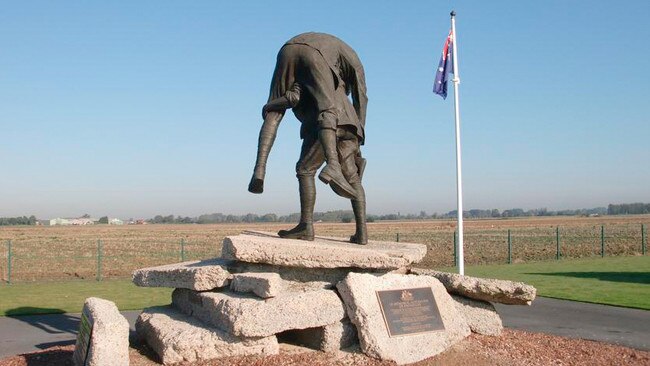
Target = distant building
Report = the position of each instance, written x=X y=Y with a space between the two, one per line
x=76 y=222
x=59 y=221
x=83 y=221
x=115 y=222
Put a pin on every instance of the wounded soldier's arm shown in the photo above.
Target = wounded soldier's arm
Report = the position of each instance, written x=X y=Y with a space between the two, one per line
x=293 y=95
x=289 y=100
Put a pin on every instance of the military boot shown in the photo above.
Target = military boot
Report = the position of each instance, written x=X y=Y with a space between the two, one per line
x=303 y=231
x=359 y=209
x=332 y=173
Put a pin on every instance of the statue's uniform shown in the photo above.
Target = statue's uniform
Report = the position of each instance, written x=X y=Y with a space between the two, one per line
x=317 y=72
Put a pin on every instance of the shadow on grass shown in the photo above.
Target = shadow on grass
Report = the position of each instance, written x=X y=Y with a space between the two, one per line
x=628 y=277
x=31 y=310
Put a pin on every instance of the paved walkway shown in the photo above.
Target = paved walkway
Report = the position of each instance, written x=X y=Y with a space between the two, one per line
x=611 y=324
x=628 y=327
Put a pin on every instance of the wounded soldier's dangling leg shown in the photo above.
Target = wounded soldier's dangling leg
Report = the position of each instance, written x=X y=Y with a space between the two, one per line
x=332 y=173
x=352 y=164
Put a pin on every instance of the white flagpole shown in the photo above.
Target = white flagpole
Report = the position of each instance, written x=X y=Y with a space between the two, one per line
x=459 y=179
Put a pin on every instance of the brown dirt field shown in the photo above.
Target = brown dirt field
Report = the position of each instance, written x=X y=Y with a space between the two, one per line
x=66 y=252
x=511 y=348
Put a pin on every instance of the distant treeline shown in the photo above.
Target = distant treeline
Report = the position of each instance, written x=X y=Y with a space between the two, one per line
x=329 y=216
x=217 y=218
x=518 y=212
x=348 y=216
x=628 y=209
x=24 y=220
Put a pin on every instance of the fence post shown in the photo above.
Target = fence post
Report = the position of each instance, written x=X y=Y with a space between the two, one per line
x=509 y=247
x=397 y=239
x=99 y=260
x=602 y=240
x=557 y=243
x=455 y=253
x=643 y=239
x=9 y=254
x=182 y=250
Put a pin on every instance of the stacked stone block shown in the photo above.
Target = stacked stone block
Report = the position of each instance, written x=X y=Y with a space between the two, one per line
x=265 y=287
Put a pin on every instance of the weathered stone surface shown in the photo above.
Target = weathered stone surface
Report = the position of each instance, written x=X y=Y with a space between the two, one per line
x=269 y=284
x=337 y=336
x=332 y=276
x=295 y=286
x=481 y=316
x=359 y=295
x=109 y=341
x=176 y=337
x=330 y=338
x=486 y=289
x=262 y=284
x=248 y=316
x=194 y=275
x=257 y=247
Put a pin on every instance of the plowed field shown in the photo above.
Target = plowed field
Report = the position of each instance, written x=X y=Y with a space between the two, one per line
x=58 y=252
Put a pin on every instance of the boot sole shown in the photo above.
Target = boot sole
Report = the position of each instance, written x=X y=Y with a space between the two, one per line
x=327 y=179
x=256 y=186
x=296 y=236
x=353 y=239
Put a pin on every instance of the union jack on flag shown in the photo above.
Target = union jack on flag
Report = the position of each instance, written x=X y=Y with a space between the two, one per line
x=445 y=67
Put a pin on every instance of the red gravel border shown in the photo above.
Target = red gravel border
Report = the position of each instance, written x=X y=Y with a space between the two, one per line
x=512 y=347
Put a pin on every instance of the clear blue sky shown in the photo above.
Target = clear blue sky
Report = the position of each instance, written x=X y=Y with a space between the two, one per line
x=132 y=109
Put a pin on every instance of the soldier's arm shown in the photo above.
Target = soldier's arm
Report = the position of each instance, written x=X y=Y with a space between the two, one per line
x=359 y=97
x=289 y=100
x=357 y=82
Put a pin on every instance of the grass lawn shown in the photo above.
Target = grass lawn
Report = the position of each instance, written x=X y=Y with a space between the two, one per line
x=621 y=281
x=68 y=297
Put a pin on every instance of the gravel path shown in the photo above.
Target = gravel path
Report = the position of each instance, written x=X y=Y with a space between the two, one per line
x=513 y=347
x=527 y=341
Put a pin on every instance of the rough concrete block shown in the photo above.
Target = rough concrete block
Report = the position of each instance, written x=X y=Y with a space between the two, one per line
x=359 y=293
x=247 y=316
x=108 y=331
x=297 y=274
x=481 y=316
x=258 y=247
x=486 y=289
x=193 y=275
x=264 y=285
x=176 y=338
x=329 y=338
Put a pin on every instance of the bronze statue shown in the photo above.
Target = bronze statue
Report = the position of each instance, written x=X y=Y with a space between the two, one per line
x=314 y=74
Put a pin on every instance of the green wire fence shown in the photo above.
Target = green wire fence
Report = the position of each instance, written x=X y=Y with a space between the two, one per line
x=83 y=258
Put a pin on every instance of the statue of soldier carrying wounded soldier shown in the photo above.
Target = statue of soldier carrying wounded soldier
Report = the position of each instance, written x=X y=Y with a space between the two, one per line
x=314 y=74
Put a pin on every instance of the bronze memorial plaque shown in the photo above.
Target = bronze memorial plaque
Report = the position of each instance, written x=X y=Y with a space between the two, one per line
x=410 y=311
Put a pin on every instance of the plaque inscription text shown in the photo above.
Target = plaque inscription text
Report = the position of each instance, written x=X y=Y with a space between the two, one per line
x=410 y=311
x=83 y=339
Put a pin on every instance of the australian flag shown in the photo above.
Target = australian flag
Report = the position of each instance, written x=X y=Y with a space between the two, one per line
x=445 y=67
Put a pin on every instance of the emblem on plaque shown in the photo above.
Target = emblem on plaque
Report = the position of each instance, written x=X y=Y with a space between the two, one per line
x=406 y=296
